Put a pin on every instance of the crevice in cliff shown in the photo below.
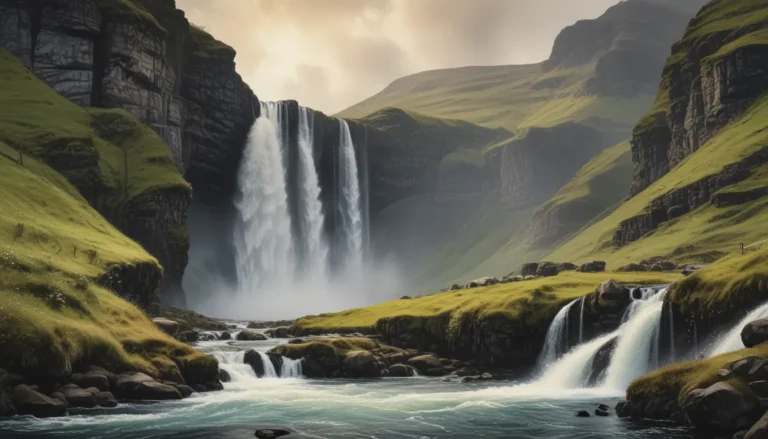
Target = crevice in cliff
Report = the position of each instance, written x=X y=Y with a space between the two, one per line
x=100 y=57
x=36 y=17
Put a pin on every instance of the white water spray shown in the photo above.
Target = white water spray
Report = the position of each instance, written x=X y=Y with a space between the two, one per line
x=351 y=216
x=291 y=368
x=572 y=370
x=556 y=341
x=731 y=340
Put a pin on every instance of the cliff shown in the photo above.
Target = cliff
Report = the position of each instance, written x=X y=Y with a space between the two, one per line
x=144 y=57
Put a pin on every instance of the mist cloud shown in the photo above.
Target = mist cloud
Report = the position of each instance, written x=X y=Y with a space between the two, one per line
x=330 y=54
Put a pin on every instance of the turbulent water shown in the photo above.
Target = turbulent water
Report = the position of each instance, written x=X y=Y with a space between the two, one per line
x=385 y=408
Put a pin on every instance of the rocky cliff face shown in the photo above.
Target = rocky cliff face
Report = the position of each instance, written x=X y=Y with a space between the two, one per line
x=711 y=78
x=145 y=57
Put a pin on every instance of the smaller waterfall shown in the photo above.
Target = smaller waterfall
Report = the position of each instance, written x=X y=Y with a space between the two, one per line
x=291 y=368
x=234 y=363
x=731 y=340
x=581 y=320
x=269 y=368
x=351 y=214
x=312 y=221
x=572 y=371
x=556 y=341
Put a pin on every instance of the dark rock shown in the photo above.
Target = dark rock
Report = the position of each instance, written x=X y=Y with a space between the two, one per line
x=401 y=370
x=224 y=376
x=599 y=412
x=105 y=399
x=760 y=388
x=279 y=332
x=582 y=414
x=603 y=407
x=6 y=405
x=144 y=387
x=633 y=267
x=547 y=269
x=592 y=267
x=79 y=398
x=254 y=359
x=623 y=408
x=296 y=341
x=250 y=335
x=468 y=379
x=529 y=269
x=96 y=370
x=435 y=372
x=611 y=295
x=405 y=297
x=60 y=396
x=29 y=402
x=423 y=363
x=753 y=368
x=759 y=430
x=362 y=364
x=226 y=335
x=755 y=333
x=184 y=389
x=189 y=336
x=486 y=377
x=739 y=434
x=720 y=406
x=566 y=266
x=92 y=379
x=271 y=433
x=482 y=282
x=446 y=362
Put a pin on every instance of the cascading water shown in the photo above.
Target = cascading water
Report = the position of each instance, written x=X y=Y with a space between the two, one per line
x=556 y=341
x=572 y=370
x=731 y=340
x=349 y=203
x=291 y=368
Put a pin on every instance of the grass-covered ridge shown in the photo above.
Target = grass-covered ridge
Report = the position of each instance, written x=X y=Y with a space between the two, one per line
x=528 y=300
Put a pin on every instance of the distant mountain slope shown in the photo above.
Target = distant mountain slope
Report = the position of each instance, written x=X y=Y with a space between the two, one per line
x=603 y=72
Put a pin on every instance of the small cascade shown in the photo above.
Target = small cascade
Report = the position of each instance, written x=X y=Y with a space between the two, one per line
x=269 y=368
x=349 y=202
x=291 y=368
x=556 y=341
x=234 y=363
x=581 y=320
x=731 y=340
x=572 y=370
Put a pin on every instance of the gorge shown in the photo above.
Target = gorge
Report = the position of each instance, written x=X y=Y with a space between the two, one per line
x=570 y=248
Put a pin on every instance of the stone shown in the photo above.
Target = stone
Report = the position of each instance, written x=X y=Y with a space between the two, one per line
x=79 y=398
x=592 y=267
x=6 y=405
x=482 y=282
x=529 y=269
x=760 y=388
x=96 y=370
x=446 y=362
x=224 y=376
x=612 y=291
x=582 y=414
x=566 y=266
x=143 y=387
x=92 y=379
x=622 y=409
x=401 y=370
x=105 y=399
x=600 y=412
x=454 y=287
x=60 y=396
x=254 y=359
x=226 y=335
x=29 y=402
x=633 y=267
x=207 y=336
x=189 y=336
x=750 y=367
x=755 y=333
x=435 y=372
x=295 y=341
x=250 y=335
x=279 y=332
x=603 y=407
x=547 y=269
x=423 y=363
x=272 y=433
x=531 y=277
x=468 y=379
x=362 y=364
x=720 y=406
x=406 y=297
x=724 y=373
x=168 y=326
x=759 y=430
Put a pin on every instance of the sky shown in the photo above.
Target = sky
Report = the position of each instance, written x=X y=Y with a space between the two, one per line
x=331 y=54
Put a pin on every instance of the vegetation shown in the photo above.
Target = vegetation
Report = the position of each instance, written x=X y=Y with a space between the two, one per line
x=326 y=346
x=208 y=47
x=535 y=300
x=131 y=11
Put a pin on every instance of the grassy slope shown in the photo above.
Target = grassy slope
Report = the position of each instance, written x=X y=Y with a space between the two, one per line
x=706 y=229
x=543 y=295
x=730 y=283
x=49 y=304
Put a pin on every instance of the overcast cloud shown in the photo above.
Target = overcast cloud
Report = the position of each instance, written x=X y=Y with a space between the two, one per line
x=330 y=54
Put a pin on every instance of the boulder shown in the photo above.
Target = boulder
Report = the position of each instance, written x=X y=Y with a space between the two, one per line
x=547 y=269
x=566 y=266
x=279 y=332
x=141 y=386
x=168 y=326
x=401 y=370
x=760 y=388
x=207 y=336
x=529 y=269
x=272 y=433
x=454 y=287
x=29 y=402
x=105 y=399
x=362 y=364
x=610 y=294
x=600 y=412
x=296 y=341
x=224 y=376
x=753 y=368
x=96 y=370
x=592 y=267
x=79 y=398
x=582 y=414
x=250 y=335
x=633 y=267
x=759 y=430
x=721 y=406
x=435 y=372
x=482 y=282
x=92 y=379
x=189 y=336
x=226 y=335
x=60 y=396
x=6 y=405
x=755 y=333
x=423 y=363
x=254 y=359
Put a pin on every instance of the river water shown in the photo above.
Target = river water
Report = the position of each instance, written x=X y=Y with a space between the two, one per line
x=417 y=407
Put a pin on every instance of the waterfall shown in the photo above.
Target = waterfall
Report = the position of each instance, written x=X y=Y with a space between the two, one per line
x=233 y=362
x=314 y=248
x=637 y=343
x=731 y=340
x=556 y=340
x=263 y=242
x=572 y=370
x=349 y=203
x=581 y=320
x=291 y=368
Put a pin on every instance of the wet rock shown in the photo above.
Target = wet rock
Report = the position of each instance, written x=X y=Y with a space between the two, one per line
x=60 y=396
x=105 y=399
x=423 y=363
x=92 y=379
x=226 y=335
x=168 y=326
x=603 y=407
x=611 y=295
x=446 y=362
x=184 y=389
x=720 y=406
x=254 y=359
x=600 y=412
x=486 y=377
x=29 y=402
x=755 y=333
x=144 y=387
x=6 y=405
x=547 y=269
x=592 y=267
x=207 y=336
x=295 y=341
x=362 y=364
x=224 y=376
x=622 y=409
x=79 y=398
x=189 y=336
x=271 y=433
x=582 y=414
x=401 y=370
x=250 y=335
x=435 y=372
x=529 y=269
x=468 y=379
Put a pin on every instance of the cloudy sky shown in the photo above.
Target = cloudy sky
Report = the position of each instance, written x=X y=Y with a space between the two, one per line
x=330 y=54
